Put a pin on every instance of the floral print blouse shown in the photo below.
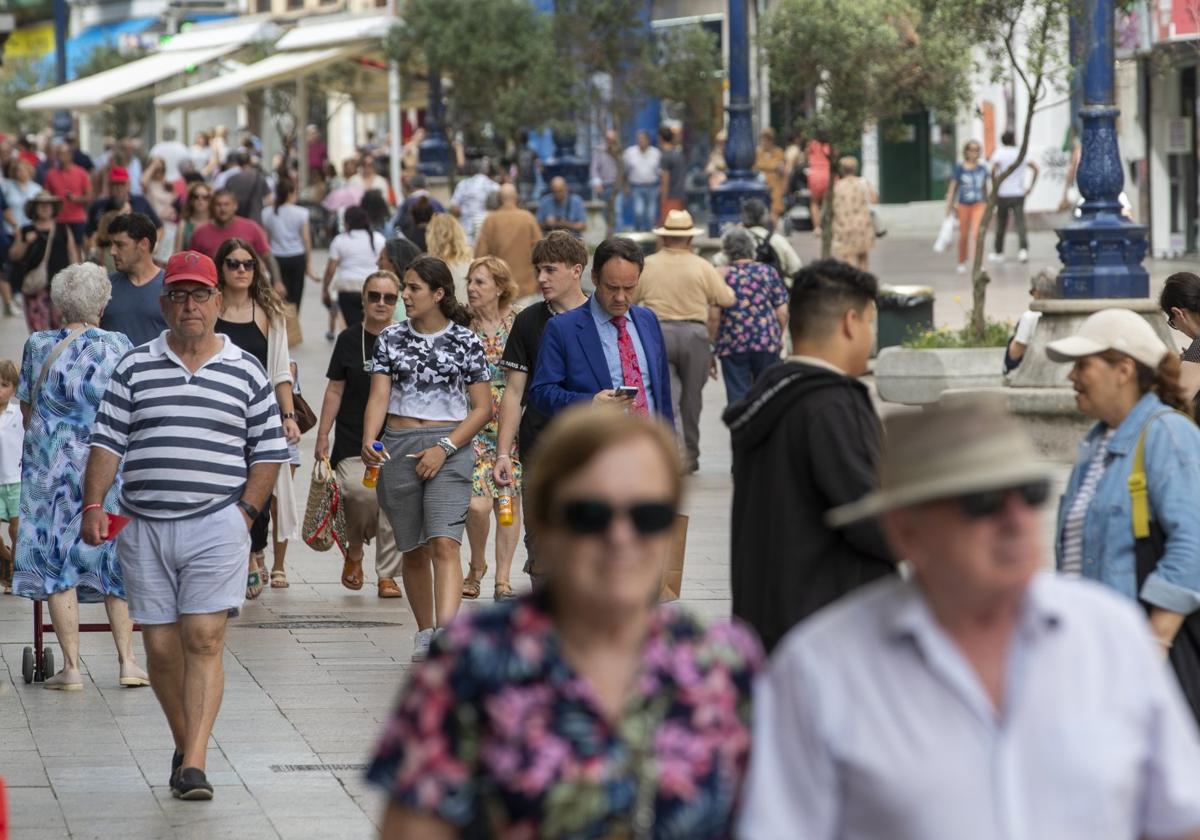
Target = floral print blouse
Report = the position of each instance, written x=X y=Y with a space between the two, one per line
x=496 y=734
x=750 y=325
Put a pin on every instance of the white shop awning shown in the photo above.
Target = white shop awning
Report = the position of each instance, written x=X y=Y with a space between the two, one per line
x=221 y=33
x=94 y=92
x=336 y=31
x=281 y=67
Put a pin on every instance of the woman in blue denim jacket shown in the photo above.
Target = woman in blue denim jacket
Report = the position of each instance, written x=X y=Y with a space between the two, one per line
x=1125 y=378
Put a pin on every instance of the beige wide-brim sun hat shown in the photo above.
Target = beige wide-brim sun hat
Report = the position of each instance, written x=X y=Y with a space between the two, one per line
x=946 y=452
x=1111 y=329
x=678 y=223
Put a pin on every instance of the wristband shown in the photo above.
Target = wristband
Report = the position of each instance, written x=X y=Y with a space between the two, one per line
x=248 y=509
x=503 y=455
x=92 y=506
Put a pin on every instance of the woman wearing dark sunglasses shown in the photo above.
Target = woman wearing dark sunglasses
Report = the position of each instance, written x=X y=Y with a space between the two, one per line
x=586 y=709
x=195 y=212
x=1127 y=380
x=252 y=316
x=345 y=401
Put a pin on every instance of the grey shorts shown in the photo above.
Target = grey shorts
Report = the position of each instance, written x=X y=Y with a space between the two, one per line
x=420 y=510
x=192 y=566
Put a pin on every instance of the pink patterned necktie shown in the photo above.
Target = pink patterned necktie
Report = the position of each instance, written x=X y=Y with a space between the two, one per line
x=631 y=372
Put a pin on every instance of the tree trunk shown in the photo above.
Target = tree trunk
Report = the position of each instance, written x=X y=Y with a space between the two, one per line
x=827 y=213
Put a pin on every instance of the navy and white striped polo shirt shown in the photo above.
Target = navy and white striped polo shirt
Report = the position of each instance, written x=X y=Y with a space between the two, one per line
x=188 y=439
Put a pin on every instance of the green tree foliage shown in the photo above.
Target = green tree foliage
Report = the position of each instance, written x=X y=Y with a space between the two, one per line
x=689 y=75
x=871 y=62
x=21 y=77
x=498 y=55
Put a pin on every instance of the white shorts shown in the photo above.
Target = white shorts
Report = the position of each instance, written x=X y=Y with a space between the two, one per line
x=191 y=566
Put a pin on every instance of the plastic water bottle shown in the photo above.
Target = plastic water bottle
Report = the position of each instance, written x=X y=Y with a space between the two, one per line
x=504 y=507
x=371 y=476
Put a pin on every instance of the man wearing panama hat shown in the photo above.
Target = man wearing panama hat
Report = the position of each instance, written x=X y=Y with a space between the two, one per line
x=980 y=697
x=682 y=289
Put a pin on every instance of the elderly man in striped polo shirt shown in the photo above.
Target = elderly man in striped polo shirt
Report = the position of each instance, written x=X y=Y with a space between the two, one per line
x=192 y=421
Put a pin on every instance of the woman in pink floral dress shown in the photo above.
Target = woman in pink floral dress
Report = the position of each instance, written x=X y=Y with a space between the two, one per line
x=585 y=710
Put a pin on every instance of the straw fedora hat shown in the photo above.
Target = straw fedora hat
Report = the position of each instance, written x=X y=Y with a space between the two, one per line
x=678 y=223
x=945 y=452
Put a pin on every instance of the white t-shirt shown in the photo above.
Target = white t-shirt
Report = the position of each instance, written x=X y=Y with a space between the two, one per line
x=172 y=153
x=643 y=168
x=12 y=437
x=284 y=226
x=1014 y=185
x=357 y=255
x=1026 y=325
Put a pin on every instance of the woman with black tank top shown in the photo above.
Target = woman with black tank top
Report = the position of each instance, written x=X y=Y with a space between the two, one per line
x=252 y=317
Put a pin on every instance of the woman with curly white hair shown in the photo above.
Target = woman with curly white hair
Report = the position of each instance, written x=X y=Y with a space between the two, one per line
x=64 y=373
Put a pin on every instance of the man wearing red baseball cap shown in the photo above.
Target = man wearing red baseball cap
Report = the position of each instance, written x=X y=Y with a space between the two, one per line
x=190 y=420
x=119 y=198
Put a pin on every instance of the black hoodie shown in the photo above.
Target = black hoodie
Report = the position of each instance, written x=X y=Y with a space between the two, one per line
x=805 y=440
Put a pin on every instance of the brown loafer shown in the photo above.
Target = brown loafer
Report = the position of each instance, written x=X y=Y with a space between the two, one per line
x=389 y=589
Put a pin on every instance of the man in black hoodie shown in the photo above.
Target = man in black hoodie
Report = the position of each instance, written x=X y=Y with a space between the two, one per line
x=806 y=439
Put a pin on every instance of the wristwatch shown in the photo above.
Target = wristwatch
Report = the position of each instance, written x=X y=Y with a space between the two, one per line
x=289 y=415
x=248 y=509
x=447 y=446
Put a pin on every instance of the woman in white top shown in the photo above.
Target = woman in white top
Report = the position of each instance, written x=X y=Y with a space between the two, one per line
x=352 y=256
x=287 y=228
x=18 y=190
x=446 y=240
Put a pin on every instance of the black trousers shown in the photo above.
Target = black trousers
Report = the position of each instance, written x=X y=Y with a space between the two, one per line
x=352 y=307
x=292 y=271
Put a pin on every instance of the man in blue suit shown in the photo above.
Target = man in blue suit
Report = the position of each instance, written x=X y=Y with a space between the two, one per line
x=607 y=344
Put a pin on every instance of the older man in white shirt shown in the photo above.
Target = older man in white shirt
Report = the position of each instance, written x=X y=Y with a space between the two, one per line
x=980 y=698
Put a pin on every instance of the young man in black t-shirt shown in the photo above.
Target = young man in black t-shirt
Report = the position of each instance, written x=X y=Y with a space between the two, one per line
x=559 y=260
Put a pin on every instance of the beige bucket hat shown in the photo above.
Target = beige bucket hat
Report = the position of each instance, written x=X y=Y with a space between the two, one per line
x=945 y=452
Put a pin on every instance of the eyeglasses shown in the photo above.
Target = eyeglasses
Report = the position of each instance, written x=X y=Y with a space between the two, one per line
x=589 y=517
x=987 y=503
x=387 y=297
x=179 y=296
x=234 y=265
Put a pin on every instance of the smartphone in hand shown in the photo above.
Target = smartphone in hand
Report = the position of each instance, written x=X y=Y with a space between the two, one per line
x=627 y=391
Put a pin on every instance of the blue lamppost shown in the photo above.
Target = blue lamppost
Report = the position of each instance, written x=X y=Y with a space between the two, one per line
x=61 y=122
x=433 y=157
x=1101 y=252
x=725 y=202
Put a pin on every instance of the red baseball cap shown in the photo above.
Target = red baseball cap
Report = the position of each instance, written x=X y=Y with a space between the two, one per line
x=118 y=175
x=191 y=265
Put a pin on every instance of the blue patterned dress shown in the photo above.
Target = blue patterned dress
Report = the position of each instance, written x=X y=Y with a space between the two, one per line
x=50 y=555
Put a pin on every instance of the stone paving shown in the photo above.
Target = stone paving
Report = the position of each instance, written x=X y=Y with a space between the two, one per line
x=312 y=670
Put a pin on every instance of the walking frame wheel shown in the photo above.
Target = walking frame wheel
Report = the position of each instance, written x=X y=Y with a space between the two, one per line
x=27 y=664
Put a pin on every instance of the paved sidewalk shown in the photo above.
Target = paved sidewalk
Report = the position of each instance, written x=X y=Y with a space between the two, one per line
x=313 y=670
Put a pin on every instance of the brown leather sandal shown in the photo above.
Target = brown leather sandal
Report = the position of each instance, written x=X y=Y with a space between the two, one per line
x=470 y=589
x=389 y=589
x=352 y=574
x=503 y=591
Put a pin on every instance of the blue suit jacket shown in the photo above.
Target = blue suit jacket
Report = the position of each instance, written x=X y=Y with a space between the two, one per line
x=571 y=367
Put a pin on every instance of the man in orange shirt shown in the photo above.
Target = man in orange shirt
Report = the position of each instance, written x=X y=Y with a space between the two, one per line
x=510 y=232
x=70 y=182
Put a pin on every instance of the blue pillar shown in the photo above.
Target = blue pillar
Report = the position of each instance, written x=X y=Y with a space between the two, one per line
x=1101 y=252
x=434 y=152
x=568 y=164
x=726 y=200
x=61 y=122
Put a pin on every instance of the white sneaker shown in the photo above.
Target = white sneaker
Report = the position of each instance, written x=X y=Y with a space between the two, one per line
x=1023 y=255
x=962 y=268
x=996 y=256
x=421 y=645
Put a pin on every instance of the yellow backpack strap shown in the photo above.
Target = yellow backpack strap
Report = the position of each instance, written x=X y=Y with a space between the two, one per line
x=1139 y=494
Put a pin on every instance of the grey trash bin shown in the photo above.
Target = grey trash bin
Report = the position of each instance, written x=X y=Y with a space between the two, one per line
x=903 y=311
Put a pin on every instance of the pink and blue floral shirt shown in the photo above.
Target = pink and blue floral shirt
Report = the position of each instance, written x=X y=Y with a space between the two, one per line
x=496 y=734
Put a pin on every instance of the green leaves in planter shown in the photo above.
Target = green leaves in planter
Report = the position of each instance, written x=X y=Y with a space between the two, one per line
x=996 y=334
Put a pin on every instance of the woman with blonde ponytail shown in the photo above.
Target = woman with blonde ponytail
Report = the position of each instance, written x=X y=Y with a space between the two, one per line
x=1127 y=380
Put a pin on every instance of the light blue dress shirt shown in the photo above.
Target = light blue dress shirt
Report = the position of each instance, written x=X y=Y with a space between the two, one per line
x=608 y=341
x=572 y=210
x=870 y=724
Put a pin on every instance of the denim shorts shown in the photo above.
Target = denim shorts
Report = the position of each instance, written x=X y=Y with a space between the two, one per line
x=176 y=567
x=420 y=509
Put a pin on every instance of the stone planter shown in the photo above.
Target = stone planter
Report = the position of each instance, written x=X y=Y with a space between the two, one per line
x=918 y=377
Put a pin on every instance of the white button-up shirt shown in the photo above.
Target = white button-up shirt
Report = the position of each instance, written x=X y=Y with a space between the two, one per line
x=871 y=724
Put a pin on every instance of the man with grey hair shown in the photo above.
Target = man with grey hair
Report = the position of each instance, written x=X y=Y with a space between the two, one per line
x=979 y=697
x=780 y=254
x=190 y=421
